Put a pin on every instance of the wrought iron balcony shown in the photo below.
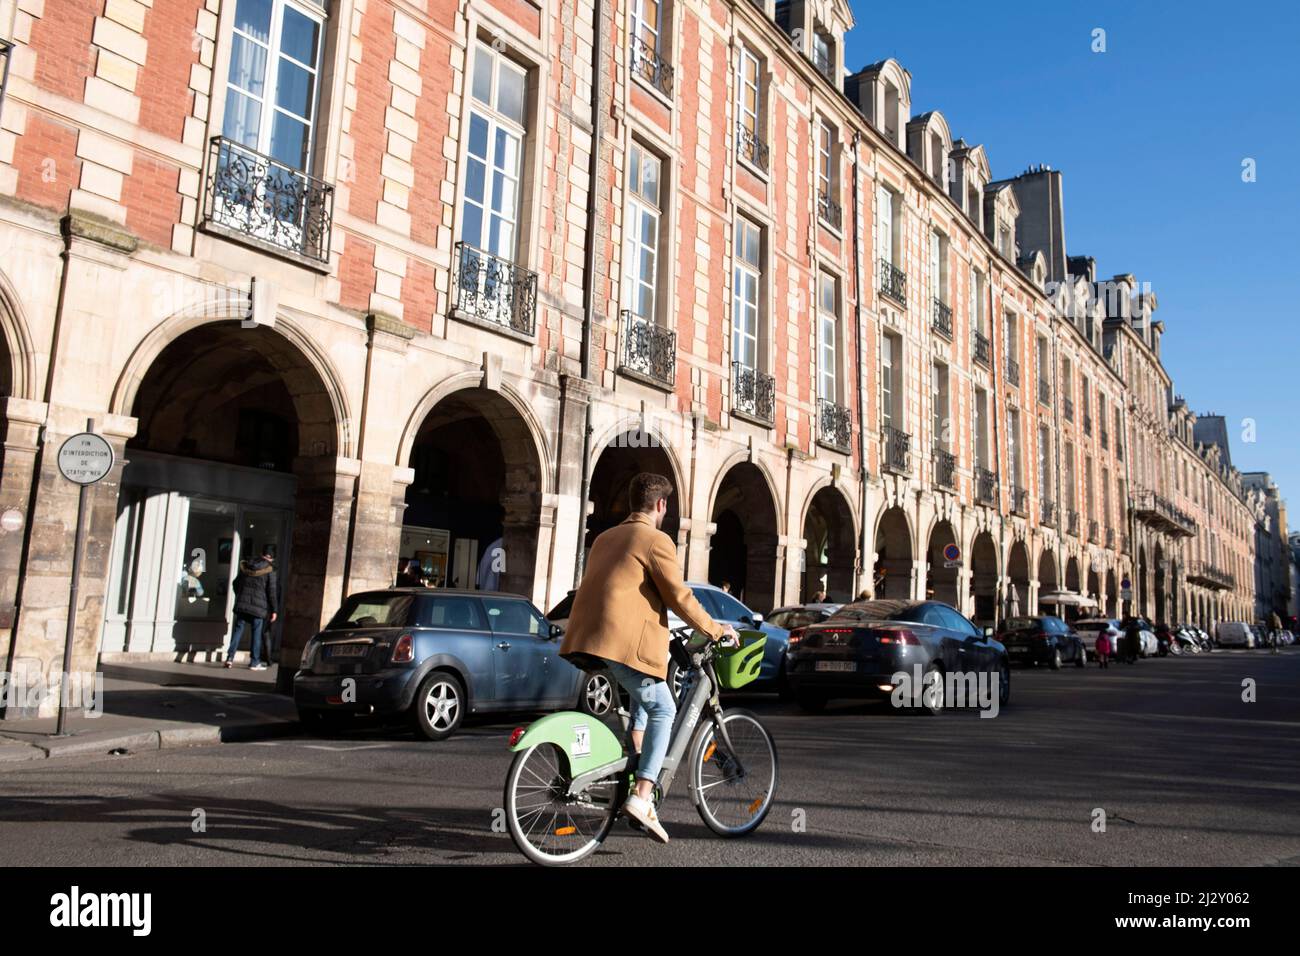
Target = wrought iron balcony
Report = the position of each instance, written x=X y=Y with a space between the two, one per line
x=1161 y=514
x=1020 y=502
x=1013 y=371
x=1047 y=513
x=898 y=451
x=945 y=469
x=1067 y=406
x=1072 y=522
x=495 y=290
x=750 y=148
x=986 y=486
x=753 y=394
x=941 y=320
x=983 y=350
x=893 y=282
x=649 y=351
x=1094 y=530
x=834 y=426
x=829 y=211
x=1207 y=575
x=1044 y=392
x=650 y=66
x=1110 y=537
x=253 y=198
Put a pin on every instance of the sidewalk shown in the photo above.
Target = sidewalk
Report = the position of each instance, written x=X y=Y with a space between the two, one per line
x=149 y=706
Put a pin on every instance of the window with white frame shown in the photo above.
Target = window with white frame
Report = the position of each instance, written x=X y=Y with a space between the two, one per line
x=980 y=431
x=641 y=232
x=271 y=89
x=749 y=102
x=828 y=207
x=888 y=223
x=891 y=381
x=939 y=404
x=1013 y=446
x=489 y=218
x=976 y=304
x=746 y=281
x=939 y=266
x=828 y=333
x=1044 y=463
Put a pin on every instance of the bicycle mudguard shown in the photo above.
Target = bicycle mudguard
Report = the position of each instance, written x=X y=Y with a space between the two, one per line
x=585 y=740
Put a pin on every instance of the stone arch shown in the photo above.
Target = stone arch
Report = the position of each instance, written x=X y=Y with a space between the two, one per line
x=1018 y=575
x=985 y=573
x=18 y=365
x=616 y=460
x=743 y=551
x=892 y=570
x=830 y=544
x=479 y=476
x=941 y=583
x=288 y=347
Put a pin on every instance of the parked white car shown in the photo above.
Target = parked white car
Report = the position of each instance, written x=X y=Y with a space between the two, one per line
x=1235 y=634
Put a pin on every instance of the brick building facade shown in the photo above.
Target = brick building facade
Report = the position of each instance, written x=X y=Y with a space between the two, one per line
x=362 y=280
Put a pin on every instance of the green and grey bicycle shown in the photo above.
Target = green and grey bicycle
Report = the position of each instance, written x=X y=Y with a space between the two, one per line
x=571 y=773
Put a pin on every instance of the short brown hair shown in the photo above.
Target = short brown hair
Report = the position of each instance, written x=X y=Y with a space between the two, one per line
x=646 y=490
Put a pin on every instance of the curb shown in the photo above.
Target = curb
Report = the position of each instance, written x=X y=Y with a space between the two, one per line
x=195 y=735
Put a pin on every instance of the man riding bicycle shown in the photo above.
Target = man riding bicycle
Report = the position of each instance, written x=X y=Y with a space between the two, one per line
x=620 y=615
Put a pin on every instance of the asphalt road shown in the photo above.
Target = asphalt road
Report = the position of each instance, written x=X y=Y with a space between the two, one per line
x=1186 y=772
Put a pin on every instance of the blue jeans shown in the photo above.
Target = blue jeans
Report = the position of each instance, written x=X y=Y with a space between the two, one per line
x=237 y=634
x=653 y=711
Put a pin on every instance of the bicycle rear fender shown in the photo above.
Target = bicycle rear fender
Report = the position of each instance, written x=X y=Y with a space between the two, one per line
x=585 y=740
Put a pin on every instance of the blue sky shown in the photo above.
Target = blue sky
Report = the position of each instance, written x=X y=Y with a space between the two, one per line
x=1150 y=137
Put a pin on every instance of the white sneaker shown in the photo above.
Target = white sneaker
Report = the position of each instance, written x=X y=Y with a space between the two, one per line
x=259 y=666
x=643 y=812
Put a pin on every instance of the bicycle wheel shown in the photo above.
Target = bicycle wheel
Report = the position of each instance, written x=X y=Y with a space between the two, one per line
x=733 y=799
x=548 y=826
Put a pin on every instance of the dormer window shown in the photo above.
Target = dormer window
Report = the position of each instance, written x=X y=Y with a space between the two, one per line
x=890 y=124
x=823 y=53
x=973 y=204
x=1004 y=242
x=937 y=157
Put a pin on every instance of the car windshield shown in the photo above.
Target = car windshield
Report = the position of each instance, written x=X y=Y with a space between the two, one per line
x=1091 y=625
x=1022 y=623
x=795 y=617
x=374 y=609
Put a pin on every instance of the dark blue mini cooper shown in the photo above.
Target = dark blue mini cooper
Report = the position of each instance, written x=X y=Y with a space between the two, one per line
x=436 y=655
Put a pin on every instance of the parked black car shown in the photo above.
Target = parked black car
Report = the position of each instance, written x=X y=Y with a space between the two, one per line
x=856 y=652
x=1043 y=639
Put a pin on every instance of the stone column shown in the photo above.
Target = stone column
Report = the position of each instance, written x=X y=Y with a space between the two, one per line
x=314 y=590
x=41 y=621
x=20 y=425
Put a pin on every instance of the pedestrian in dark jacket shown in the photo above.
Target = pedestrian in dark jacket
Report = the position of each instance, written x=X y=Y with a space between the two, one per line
x=1133 y=640
x=257 y=601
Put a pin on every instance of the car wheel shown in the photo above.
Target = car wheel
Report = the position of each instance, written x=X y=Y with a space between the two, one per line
x=439 y=705
x=597 y=697
x=1056 y=659
x=932 y=693
x=1081 y=658
x=811 y=703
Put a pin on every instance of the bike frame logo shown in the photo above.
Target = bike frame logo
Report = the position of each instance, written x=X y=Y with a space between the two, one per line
x=77 y=690
x=956 y=689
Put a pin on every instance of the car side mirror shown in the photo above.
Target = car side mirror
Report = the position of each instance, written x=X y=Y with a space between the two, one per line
x=755 y=619
x=556 y=632
x=988 y=633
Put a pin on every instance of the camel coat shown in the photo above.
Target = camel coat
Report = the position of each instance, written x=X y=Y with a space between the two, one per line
x=620 y=612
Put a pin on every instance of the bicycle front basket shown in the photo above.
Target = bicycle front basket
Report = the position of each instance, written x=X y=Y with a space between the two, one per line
x=737 y=666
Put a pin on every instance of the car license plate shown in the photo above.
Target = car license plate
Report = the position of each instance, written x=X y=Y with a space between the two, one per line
x=837 y=665
x=349 y=650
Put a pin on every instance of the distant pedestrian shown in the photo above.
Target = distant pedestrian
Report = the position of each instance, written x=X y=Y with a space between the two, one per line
x=1132 y=641
x=490 y=567
x=864 y=595
x=1103 y=650
x=1275 y=623
x=726 y=586
x=257 y=601
x=819 y=597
